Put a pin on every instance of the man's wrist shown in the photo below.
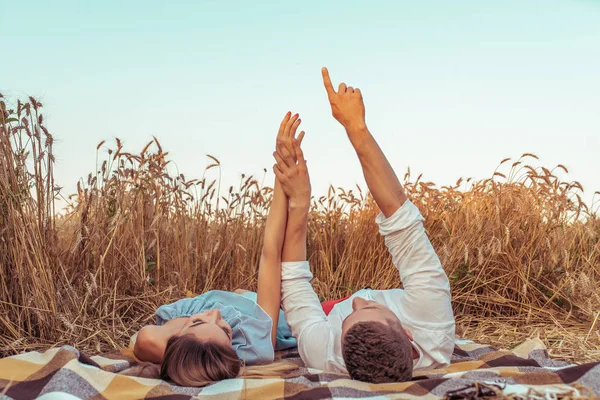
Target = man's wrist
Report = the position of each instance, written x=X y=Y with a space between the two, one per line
x=299 y=204
x=359 y=135
x=356 y=128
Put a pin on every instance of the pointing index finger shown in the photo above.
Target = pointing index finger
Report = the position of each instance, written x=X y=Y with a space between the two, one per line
x=327 y=82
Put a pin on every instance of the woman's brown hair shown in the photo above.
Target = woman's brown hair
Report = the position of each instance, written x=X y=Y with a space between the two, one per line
x=190 y=362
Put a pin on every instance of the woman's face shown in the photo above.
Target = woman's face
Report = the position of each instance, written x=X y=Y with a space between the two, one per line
x=208 y=326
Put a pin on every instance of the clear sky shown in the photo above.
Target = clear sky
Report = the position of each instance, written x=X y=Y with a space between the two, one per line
x=450 y=87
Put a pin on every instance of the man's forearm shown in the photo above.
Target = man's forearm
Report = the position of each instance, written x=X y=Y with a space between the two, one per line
x=379 y=174
x=304 y=314
x=294 y=247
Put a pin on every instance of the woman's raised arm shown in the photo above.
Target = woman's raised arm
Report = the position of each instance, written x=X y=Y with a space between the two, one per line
x=269 y=270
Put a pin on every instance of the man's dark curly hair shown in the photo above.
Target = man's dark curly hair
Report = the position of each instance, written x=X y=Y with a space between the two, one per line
x=378 y=353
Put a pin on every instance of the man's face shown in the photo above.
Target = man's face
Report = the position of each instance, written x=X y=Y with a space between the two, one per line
x=368 y=310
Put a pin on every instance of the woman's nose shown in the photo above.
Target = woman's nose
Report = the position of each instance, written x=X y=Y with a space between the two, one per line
x=214 y=315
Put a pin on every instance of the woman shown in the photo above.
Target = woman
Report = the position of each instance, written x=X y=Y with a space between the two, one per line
x=215 y=335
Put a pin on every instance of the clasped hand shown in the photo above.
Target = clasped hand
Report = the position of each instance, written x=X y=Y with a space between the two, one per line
x=290 y=168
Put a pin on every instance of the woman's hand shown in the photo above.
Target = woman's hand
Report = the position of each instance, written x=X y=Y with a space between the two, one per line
x=293 y=175
x=285 y=136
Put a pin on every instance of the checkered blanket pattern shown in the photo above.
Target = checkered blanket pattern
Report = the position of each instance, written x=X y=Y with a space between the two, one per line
x=476 y=371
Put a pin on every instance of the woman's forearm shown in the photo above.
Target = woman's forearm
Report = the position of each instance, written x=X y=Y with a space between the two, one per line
x=269 y=270
x=276 y=222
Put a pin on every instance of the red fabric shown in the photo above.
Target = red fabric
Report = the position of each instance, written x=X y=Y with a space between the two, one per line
x=328 y=305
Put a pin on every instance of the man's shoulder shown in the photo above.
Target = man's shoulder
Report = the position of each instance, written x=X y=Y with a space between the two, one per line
x=370 y=293
x=388 y=297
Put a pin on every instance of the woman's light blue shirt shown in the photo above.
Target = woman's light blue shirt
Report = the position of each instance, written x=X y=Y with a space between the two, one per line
x=250 y=324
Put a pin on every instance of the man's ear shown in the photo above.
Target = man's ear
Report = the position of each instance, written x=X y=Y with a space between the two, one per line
x=410 y=336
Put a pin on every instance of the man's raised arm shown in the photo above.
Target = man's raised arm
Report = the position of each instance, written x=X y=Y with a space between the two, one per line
x=348 y=108
x=424 y=280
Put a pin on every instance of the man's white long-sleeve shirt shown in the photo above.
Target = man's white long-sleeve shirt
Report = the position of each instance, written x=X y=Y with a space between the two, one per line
x=423 y=306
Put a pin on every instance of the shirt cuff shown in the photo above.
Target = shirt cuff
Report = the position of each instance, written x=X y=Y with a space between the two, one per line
x=295 y=270
x=404 y=217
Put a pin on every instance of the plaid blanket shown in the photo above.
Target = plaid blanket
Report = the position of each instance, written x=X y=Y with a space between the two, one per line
x=476 y=371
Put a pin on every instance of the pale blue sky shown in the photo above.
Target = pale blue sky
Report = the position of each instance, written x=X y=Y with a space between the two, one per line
x=451 y=87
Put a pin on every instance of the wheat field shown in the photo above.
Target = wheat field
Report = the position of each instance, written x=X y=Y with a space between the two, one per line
x=521 y=249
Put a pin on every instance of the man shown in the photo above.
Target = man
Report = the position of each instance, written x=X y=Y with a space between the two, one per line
x=375 y=335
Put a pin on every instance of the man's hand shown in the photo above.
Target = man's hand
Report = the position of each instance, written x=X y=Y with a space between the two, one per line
x=346 y=104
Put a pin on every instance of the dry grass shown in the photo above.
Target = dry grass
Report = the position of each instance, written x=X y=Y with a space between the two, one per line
x=521 y=248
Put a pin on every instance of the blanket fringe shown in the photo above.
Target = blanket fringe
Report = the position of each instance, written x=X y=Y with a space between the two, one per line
x=479 y=390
